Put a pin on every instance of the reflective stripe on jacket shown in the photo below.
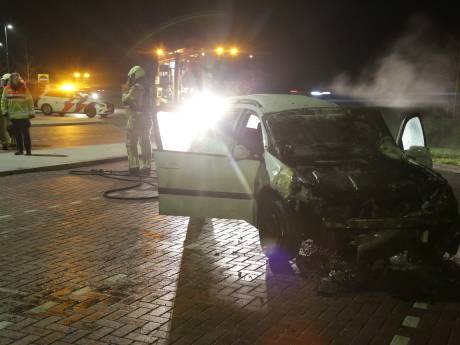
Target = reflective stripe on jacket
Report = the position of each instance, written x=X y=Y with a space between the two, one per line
x=18 y=104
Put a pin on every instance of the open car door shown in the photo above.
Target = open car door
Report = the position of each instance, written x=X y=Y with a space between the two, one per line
x=201 y=170
x=412 y=140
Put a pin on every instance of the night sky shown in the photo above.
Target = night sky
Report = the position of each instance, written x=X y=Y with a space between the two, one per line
x=301 y=43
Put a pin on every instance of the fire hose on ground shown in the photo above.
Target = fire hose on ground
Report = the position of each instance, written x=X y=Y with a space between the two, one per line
x=122 y=175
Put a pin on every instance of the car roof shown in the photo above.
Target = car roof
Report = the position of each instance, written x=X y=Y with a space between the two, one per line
x=271 y=103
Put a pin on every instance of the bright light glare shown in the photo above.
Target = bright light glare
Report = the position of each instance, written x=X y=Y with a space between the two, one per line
x=160 y=52
x=94 y=95
x=86 y=75
x=67 y=87
x=234 y=51
x=320 y=93
x=219 y=50
x=179 y=130
x=1 y=44
x=77 y=75
x=9 y=26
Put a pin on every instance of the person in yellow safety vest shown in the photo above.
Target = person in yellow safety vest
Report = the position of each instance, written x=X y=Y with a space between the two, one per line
x=17 y=105
x=5 y=138
x=139 y=122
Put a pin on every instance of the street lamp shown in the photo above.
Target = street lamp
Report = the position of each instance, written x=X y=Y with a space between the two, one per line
x=10 y=27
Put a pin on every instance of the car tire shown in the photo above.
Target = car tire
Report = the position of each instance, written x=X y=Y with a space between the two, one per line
x=46 y=109
x=90 y=111
x=279 y=234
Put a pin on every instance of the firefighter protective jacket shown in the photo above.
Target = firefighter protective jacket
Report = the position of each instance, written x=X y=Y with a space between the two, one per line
x=17 y=103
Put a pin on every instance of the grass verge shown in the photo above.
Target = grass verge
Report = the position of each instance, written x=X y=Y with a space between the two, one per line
x=445 y=156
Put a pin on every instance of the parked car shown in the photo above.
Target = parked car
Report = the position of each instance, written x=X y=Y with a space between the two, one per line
x=302 y=169
x=62 y=102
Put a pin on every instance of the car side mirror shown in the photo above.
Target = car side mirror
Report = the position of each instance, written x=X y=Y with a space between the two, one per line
x=411 y=139
x=421 y=155
x=240 y=152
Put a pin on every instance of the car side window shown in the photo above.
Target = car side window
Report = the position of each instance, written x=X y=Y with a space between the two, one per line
x=219 y=138
x=185 y=132
x=249 y=133
x=413 y=134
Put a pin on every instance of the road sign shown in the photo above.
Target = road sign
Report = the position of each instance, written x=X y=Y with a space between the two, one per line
x=43 y=77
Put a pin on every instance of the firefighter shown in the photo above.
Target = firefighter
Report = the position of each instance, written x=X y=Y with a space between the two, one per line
x=139 y=122
x=18 y=106
x=5 y=138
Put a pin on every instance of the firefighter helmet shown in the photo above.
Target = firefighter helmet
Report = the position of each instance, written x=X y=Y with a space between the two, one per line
x=136 y=72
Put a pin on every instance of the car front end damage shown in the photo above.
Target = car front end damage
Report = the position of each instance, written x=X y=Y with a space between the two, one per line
x=369 y=240
x=364 y=214
x=355 y=193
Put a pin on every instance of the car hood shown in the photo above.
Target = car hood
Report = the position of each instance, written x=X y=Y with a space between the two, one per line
x=373 y=189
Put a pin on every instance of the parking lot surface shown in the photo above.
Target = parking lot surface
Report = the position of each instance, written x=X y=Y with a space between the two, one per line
x=77 y=268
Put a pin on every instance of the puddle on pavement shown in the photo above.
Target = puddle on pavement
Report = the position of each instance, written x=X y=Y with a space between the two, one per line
x=66 y=301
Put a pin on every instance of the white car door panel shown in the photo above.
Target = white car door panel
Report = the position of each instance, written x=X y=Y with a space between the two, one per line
x=207 y=186
x=57 y=103
x=207 y=182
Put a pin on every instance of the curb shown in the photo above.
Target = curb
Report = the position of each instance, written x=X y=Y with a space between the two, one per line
x=62 y=166
x=68 y=124
x=447 y=168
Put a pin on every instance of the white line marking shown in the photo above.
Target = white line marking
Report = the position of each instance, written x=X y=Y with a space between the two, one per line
x=30 y=211
x=54 y=206
x=421 y=305
x=411 y=321
x=4 y=324
x=75 y=202
x=6 y=216
x=400 y=340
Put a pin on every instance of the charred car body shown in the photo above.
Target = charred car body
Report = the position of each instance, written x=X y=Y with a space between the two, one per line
x=301 y=169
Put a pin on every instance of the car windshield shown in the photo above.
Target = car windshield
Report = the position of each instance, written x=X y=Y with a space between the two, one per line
x=327 y=132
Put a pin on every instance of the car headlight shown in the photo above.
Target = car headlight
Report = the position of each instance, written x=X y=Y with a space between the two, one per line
x=95 y=95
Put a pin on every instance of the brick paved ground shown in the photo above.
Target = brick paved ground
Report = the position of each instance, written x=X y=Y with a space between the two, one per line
x=80 y=269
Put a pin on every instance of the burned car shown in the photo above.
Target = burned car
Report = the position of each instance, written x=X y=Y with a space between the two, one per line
x=299 y=169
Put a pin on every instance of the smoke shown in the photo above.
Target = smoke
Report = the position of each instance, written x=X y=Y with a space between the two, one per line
x=415 y=66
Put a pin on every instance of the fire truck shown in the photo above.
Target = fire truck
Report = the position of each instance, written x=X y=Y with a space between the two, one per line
x=224 y=71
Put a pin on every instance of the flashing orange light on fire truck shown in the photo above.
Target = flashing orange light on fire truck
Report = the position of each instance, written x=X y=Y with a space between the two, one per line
x=224 y=70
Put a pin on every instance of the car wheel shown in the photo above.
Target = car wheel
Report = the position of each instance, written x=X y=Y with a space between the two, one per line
x=90 y=111
x=47 y=109
x=104 y=116
x=279 y=236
